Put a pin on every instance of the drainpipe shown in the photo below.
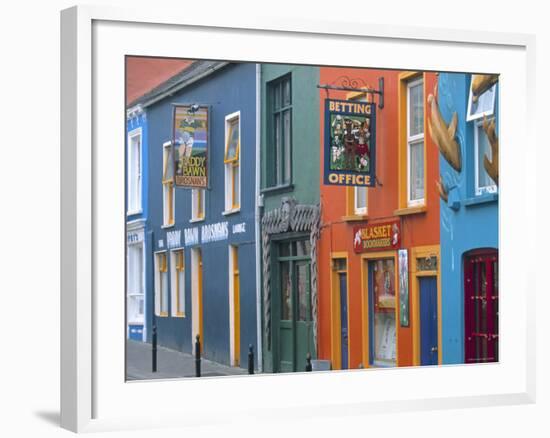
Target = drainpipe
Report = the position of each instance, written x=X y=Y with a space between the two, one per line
x=257 y=217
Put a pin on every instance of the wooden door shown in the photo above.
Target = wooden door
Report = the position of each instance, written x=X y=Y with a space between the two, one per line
x=428 y=320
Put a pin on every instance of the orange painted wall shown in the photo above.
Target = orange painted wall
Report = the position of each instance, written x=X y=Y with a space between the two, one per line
x=336 y=232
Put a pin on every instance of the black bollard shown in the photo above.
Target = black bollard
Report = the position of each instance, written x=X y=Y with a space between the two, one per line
x=308 y=362
x=197 y=356
x=154 y=350
x=250 y=359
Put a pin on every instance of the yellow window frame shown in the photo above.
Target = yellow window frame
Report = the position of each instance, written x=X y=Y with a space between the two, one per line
x=163 y=269
x=232 y=123
x=169 y=182
x=180 y=267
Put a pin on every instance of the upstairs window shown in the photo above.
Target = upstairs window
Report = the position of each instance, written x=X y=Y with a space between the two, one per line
x=232 y=162
x=134 y=171
x=279 y=157
x=415 y=142
x=483 y=182
x=197 y=204
x=168 y=185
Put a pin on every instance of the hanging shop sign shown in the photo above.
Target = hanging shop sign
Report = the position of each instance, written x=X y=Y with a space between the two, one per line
x=190 y=141
x=382 y=235
x=403 y=287
x=350 y=143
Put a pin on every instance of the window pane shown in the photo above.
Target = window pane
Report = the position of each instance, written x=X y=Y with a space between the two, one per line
x=236 y=186
x=360 y=198
x=168 y=164
x=416 y=109
x=277 y=96
x=164 y=291
x=286 y=92
x=484 y=104
x=384 y=311
x=303 y=292
x=181 y=290
x=416 y=171
x=286 y=293
x=286 y=152
x=278 y=150
x=303 y=248
x=233 y=140
x=483 y=148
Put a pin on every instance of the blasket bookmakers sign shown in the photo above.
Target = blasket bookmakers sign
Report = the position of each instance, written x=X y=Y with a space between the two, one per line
x=377 y=236
x=350 y=145
x=190 y=145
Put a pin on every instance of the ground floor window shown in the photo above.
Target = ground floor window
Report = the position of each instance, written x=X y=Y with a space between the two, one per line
x=382 y=319
x=481 y=306
x=135 y=289
x=161 y=284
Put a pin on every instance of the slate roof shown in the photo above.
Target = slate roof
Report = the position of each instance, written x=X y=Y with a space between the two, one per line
x=196 y=71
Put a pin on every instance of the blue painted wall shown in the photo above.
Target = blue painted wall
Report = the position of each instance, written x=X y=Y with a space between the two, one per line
x=228 y=90
x=473 y=225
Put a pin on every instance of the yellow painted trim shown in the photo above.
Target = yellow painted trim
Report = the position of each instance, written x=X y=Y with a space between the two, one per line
x=417 y=252
x=199 y=290
x=236 y=307
x=365 y=258
x=409 y=210
x=355 y=218
x=336 y=323
x=404 y=79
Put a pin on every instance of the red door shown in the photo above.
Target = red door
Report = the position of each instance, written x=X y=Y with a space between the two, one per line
x=481 y=306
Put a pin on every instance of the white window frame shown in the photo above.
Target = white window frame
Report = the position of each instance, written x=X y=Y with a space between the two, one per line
x=415 y=139
x=486 y=189
x=165 y=223
x=173 y=282
x=158 y=290
x=135 y=199
x=131 y=274
x=229 y=208
x=360 y=210
x=475 y=116
x=194 y=203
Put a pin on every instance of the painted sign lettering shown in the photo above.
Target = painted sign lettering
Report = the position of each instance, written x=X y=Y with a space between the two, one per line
x=384 y=235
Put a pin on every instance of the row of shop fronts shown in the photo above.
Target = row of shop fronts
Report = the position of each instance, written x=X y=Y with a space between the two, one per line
x=400 y=272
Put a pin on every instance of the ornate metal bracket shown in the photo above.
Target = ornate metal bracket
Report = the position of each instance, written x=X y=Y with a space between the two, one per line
x=354 y=84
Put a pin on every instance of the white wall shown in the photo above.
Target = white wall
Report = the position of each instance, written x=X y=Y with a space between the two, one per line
x=29 y=169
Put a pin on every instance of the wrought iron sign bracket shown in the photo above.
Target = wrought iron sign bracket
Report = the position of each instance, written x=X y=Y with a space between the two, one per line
x=348 y=84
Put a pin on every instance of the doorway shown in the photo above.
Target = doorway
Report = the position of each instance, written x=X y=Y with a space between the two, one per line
x=428 y=321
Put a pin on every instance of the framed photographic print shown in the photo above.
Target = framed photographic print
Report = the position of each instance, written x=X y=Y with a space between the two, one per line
x=330 y=217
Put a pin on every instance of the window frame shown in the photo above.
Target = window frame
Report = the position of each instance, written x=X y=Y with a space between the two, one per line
x=135 y=206
x=276 y=177
x=492 y=188
x=360 y=211
x=133 y=247
x=158 y=285
x=177 y=300
x=488 y=113
x=414 y=139
x=168 y=188
x=232 y=201
x=198 y=205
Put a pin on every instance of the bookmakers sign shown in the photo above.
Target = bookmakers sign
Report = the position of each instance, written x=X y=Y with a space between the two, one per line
x=383 y=235
x=350 y=145
x=191 y=145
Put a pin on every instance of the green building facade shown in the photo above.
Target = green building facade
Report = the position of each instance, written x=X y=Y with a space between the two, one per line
x=290 y=139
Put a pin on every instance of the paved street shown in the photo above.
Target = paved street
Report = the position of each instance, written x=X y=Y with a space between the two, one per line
x=170 y=364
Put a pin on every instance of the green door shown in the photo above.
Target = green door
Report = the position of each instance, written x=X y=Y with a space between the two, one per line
x=295 y=328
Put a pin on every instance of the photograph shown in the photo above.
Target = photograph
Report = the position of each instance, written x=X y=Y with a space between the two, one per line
x=307 y=218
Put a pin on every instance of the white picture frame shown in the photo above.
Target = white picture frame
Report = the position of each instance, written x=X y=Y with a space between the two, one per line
x=93 y=390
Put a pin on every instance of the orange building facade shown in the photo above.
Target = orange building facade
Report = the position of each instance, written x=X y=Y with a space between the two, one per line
x=375 y=309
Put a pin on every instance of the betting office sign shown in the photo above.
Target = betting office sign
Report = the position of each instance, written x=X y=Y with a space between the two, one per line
x=350 y=143
x=191 y=145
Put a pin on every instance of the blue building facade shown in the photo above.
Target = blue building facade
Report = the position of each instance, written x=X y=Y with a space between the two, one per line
x=201 y=276
x=136 y=221
x=469 y=226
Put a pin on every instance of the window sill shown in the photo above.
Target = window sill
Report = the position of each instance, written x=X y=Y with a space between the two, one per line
x=355 y=217
x=179 y=315
x=228 y=212
x=481 y=199
x=277 y=189
x=134 y=212
x=410 y=210
x=197 y=219
x=166 y=226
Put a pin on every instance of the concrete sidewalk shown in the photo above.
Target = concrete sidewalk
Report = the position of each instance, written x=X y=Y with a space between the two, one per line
x=170 y=364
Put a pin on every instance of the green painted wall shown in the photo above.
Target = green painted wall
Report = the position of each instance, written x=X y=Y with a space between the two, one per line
x=305 y=141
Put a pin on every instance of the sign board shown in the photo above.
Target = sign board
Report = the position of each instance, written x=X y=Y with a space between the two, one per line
x=350 y=143
x=190 y=140
x=382 y=235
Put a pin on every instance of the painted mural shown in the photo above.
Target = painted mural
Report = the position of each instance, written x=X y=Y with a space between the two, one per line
x=288 y=218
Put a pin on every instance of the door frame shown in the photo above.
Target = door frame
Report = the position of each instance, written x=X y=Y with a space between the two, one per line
x=336 y=323
x=365 y=315
x=415 y=253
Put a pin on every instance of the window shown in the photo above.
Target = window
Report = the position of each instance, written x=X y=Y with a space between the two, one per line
x=415 y=143
x=177 y=273
x=484 y=106
x=135 y=290
x=360 y=200
x=279 y=157
x=161 y=284
x=134 y=171
x=197 y=204
x=232 y=162
x=167 y=185
x=483 y=182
